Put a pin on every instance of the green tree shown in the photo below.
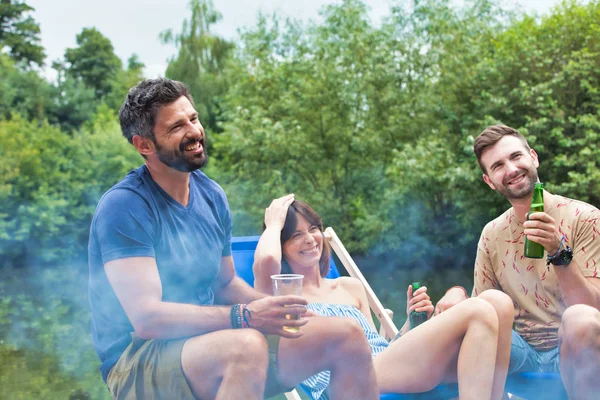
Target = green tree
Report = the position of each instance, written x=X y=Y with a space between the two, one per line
x=200 y=60
x=23 y=91
x=50 y=183
x=74 y=102
x=123 y=81
x=20 y=33
x=93 y=61
x=299 y=120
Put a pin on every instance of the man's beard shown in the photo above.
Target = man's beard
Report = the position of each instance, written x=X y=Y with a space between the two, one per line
x=177 y=159
x=516 y=194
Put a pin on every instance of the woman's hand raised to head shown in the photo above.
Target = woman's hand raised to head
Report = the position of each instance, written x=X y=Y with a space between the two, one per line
x=418 y=301
x=276 y=213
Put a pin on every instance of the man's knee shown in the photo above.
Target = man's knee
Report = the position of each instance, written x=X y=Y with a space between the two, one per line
x=349 y=340
x=239 y=349
x=580 y=328
x=249 y=347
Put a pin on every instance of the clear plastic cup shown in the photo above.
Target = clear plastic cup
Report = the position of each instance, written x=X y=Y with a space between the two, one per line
x=286 y=285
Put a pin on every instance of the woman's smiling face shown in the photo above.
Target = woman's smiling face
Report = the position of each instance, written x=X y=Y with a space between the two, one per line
x=303 y=249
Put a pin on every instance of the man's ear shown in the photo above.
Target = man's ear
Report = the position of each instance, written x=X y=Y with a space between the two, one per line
x=534 y=156
x=144 y=145
x=487 y=180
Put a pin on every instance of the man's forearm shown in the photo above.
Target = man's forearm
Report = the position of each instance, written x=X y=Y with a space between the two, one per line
x=237 y=291
x=164 y=320
x=576 y=288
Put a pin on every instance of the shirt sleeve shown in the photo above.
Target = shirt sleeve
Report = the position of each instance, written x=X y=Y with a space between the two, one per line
x=124 y=226
x=586 y=243
x=484 y=276
x=227 y=226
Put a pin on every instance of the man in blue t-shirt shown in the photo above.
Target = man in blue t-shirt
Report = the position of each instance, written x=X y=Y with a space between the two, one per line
x=170 y=319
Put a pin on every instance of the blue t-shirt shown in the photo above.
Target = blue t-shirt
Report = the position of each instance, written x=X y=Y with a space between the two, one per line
x=137 y=218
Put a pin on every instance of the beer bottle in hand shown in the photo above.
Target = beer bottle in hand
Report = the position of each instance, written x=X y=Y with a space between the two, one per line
x=534 y=249
x=416 y=317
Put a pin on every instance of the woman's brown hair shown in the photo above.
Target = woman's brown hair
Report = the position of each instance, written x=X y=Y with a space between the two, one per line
x=291 y=223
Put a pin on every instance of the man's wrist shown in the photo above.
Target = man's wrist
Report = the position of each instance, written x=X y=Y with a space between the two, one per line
x=459 y=287
x=562 y=256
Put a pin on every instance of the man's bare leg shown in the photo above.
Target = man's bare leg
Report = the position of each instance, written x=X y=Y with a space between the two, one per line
x=335 y=344
x=579 y=337
x=228 y=364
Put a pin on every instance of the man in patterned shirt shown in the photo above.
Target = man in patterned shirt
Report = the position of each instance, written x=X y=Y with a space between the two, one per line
x=557 y=322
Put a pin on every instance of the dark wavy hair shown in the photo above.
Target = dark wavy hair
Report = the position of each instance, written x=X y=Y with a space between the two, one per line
x=291 y=223
x=138 y=112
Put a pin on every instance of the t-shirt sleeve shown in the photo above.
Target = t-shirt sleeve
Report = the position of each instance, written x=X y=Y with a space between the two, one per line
x=227 y=225
x=124 y=226
x=586 y=244
x=484 y=276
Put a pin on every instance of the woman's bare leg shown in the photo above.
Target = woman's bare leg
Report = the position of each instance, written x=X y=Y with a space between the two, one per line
x=462 y=339
x=505 y=310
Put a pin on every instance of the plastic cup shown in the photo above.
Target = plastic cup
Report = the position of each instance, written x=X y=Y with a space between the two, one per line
x=286 y=285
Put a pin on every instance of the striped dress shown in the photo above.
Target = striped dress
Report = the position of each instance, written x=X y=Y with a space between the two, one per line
x=317 y=384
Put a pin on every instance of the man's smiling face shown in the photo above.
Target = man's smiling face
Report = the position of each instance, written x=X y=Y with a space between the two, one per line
x=180 y=140
x=510 y=167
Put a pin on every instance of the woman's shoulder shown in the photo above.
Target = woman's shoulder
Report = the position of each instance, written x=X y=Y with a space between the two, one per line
x=351 y=284
x=348 y=281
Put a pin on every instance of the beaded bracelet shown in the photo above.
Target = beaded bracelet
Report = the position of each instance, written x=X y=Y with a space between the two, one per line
x=239 y=316
x=234 y=316
x=560 y=247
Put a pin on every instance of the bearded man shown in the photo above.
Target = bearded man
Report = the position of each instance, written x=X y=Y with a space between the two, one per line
x=170 y=318
x=557 y=322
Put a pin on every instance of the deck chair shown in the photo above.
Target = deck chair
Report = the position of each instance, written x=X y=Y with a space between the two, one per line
x=243 y=254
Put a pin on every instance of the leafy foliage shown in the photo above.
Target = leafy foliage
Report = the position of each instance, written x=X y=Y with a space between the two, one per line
x=50 y=184
x=20 y=33
x=201 y=59
x=23 y=91
x=93 y=61
x=373 y=125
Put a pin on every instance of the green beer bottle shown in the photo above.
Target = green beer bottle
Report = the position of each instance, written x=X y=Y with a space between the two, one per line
x=416 y=317
x=533 y=249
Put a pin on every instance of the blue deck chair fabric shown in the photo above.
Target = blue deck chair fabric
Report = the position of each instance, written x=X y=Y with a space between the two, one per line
x=243 y=248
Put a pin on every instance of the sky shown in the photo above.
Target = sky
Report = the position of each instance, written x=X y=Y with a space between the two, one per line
x=133 y=26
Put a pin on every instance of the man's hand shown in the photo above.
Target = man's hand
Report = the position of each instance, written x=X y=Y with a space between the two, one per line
x=541 y=228
x=452 y=297
x=418 y=301
x=267 y=315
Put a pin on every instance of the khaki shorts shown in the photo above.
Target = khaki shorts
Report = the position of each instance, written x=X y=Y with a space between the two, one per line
x=151 y=369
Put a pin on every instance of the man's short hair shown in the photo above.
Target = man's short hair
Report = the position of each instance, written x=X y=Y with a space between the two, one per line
x=138 y=112
x=492 y=135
